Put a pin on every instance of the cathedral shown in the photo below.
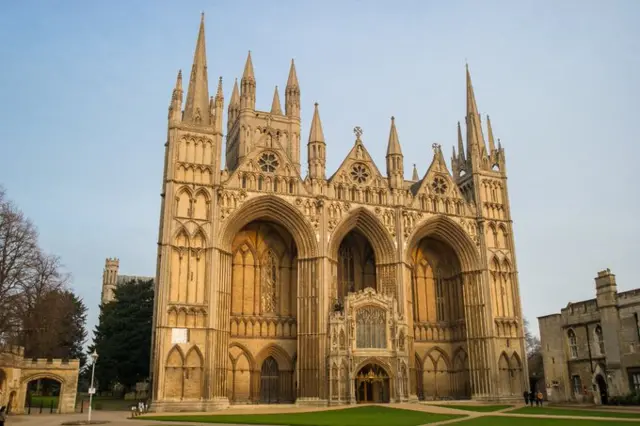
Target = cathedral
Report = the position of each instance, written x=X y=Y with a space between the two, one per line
x=327 y=288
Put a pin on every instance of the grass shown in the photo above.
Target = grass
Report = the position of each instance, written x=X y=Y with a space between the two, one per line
x=574 y=412
x=532 y=421
x=46 y=401
x=105 y=403
x=476 y=408
x=359 y=416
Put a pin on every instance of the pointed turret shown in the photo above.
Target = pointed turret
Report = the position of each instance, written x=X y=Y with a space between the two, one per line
x=218 y=107
x=248 y=86
x=393 y=147
x=292 y=93
x=395 y=159
x=316 y=148
x=461 y=156
x=234 y=105
x=175 y=107
x=415 y=176
x=275 y=105
x=196 y=110
x=475 y=140
x=492 y=145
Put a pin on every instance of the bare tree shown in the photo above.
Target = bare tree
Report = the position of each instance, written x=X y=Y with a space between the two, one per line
x=531 y=340
x=26 y=273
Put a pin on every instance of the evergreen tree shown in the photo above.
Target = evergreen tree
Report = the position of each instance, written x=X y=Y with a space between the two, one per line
x=122 y=337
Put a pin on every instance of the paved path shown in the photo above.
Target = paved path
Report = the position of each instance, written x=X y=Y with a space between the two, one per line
x=120 y=418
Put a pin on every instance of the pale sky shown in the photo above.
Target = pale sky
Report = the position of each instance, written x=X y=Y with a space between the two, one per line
x=86 y=85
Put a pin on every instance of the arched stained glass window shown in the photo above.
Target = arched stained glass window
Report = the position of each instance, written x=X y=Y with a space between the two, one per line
x=371 y=330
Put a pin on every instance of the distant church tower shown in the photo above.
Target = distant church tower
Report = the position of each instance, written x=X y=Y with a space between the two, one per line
x=109 y=279
x=331 y=288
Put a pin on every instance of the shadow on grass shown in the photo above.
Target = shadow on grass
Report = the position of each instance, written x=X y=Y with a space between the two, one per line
x=574 y=412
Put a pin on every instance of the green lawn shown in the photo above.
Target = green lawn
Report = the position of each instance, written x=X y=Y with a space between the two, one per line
x=532 y=421
x=46 y=401
x=476 y=408
x=358 y=416
x=574 y=412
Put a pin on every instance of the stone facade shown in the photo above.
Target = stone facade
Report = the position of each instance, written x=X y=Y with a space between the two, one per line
x=111 y=279
x=591 y=349
x=16 y=372
x=359 y=286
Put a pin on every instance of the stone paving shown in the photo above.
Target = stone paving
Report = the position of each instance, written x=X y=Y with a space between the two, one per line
x=121 y=418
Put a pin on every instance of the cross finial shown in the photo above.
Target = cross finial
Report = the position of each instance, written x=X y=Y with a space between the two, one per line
x=358 y=132
x=436 y=147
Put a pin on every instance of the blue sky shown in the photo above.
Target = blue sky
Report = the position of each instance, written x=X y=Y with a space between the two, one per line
x=86 y=86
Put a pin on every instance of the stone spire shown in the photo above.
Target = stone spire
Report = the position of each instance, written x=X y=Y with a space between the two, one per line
x=234 y=105
x=415 y=177
x=248 y=86
x=196 y=110
x=316 y=148
x=395 y=159
x=292 y=93
x=175 y=107
x=475 y=140
x=275 y=105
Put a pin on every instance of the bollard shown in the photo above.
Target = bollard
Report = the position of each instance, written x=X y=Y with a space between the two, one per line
x=41 y=404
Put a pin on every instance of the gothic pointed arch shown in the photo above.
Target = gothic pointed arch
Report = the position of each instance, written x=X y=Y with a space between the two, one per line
x=443 y=228
x=276 y=352
x=272 y=208
x=436 y=353
x=369 y=225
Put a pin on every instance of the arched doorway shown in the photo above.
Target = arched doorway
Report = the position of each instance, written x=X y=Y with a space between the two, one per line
x=270 y=381
x=602 y=389
x=372 y=385
x=45 y=392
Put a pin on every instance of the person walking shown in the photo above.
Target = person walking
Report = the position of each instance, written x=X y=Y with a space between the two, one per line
x=3 y=415
x=539 y=398
x=532 y=397
x=525 y=395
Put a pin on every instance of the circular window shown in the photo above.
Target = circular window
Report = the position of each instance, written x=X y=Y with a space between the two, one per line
x=268 y=162
x=360 y=173
x=439 y=185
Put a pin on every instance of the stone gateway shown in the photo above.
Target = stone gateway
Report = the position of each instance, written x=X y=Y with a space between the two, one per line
x=274 y=287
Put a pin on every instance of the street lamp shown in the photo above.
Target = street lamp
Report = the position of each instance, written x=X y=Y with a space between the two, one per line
x=92 y=390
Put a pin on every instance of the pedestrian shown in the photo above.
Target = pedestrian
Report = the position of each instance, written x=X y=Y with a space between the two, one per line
x=539 y=398
x=525 y=395
x=3 y=415
x=532 y=397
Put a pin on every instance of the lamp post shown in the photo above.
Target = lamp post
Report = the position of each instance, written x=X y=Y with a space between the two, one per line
x=92 y=390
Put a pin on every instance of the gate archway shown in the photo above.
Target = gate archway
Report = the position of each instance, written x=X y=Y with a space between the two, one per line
x=269 y=381
x=372 y=385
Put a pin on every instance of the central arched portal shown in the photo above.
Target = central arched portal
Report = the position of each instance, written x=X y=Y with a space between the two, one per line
x=372 y=385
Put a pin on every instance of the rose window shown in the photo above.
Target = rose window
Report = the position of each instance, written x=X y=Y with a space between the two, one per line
x=360 y=173
x=268 y=162
x=439 y=185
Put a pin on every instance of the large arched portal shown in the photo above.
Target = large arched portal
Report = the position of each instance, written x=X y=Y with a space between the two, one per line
x=264 y=301
x=372 y=385
x=440 y=261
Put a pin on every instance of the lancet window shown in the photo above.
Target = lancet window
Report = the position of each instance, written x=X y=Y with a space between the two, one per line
x=346 y=274
x=440 y=299
x=599 y=339
x=371 y=331
x=573 y=344
x=269 y=283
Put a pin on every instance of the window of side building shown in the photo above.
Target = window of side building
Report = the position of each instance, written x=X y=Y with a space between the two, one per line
x=634 y=379
x=573 y=344
x=599 y=340
x=576 y=385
